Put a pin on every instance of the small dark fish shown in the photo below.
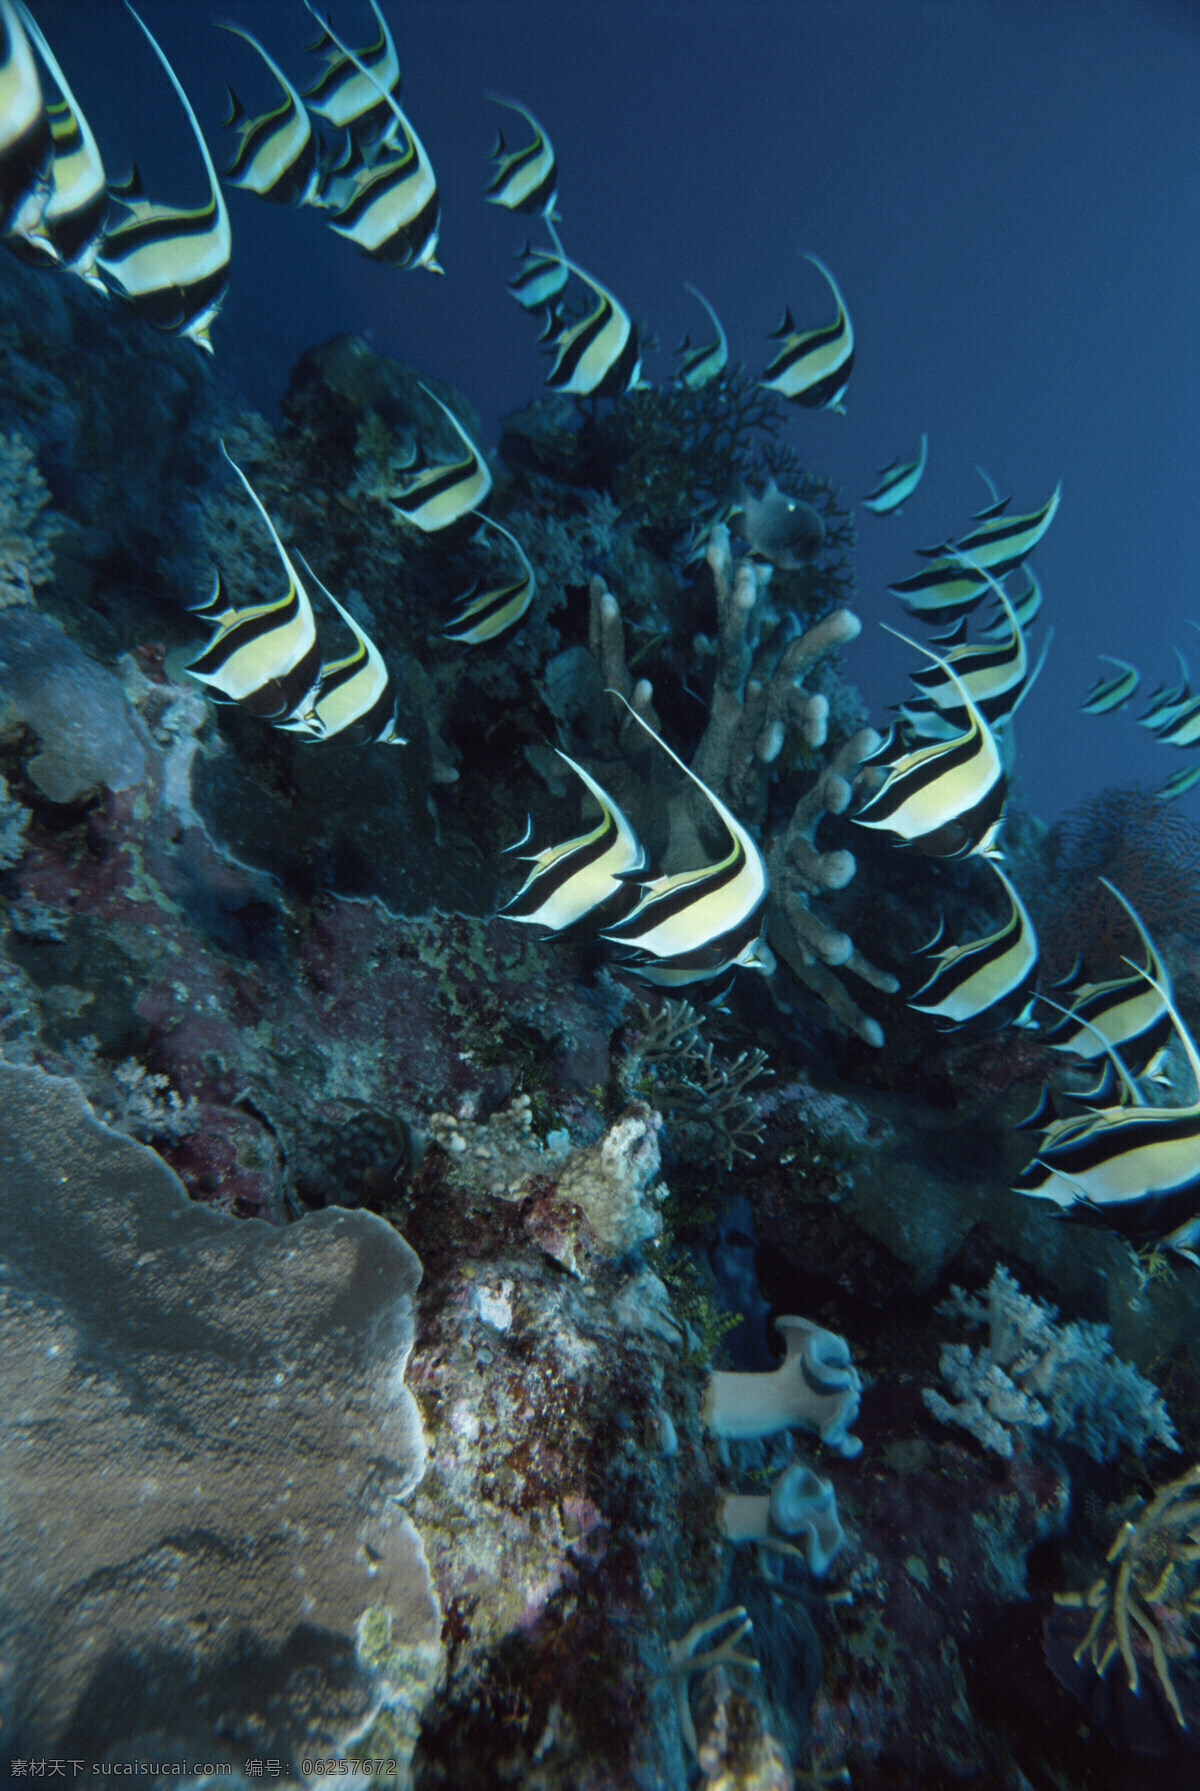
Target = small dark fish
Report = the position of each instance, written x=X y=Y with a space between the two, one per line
x=525 y=180
x=702 y=365
x=276 y=153
x=171 y=263
x=897 y=482
x=26 y=143
x=812 y=367
x=784 y=530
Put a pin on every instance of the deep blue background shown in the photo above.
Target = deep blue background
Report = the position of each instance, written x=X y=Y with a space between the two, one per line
x=1008 y=192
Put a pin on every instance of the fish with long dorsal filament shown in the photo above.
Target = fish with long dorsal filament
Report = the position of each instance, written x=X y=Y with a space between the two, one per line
x=707 y=920
x=489 y=613
x=994 y=973
x=1108 y=694
x=171 y=263
x=265 y=657
x=526 y=179
x=572 y=881
x=69 y=228
x=26 y=140
x=897 y=482
x=437 y=494
x=1123 y=1012
x=277 y=151
x=354 y=695
x=352 y=93
x=707 y=362
x=1001 y=541
x=812 y=367
x=598 y=355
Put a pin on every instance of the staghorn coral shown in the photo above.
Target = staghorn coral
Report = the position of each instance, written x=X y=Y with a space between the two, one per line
x=1033 y=1372
x=26 y=532
x=702 y=1096
x=1148 y=1597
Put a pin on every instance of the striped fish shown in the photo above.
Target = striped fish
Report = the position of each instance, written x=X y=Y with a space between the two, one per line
x=1025 y=595
x=437 y=495
x=265 y=657
x=277 y=151
x=1131 y=1167
x=996 y=972
x=598 y=356
x=69 y=226
x=1001 y=541
x=526 y=179
x=946 y=798
x=570 y=881
x=812 y=367
x=171 y=263
x=355 y=696
x=1125 y=1012
x=1178 y=783
x=392 y=212
x=26 y=142
x=897 y=482
x=353 y=92
x=707 y=920
x=487 y=615
x=944 y=591
x=680 y=972
x=1168 y=702
x=1114 y=692
x=540 y=277
x=1183 y=728
x=994 y=676
x=702 y=365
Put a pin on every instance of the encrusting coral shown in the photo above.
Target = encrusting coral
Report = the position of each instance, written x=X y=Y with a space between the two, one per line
x=1033 y=1372
x=26 y=532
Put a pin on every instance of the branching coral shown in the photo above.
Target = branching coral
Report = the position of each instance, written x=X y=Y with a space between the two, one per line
x=26 y=532
x=701 y=1096
x=1149 y=1594
x=1033 y=1372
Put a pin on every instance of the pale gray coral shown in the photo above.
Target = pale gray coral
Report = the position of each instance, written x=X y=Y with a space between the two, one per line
x=26 y=530
x=1033 y=1372
x=87 y=733
x=14 y=821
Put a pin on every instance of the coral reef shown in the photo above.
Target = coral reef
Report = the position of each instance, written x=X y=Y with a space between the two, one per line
x=1034 y=1372
x=26 y=531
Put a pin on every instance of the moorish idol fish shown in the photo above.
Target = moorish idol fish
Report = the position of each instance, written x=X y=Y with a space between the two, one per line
x=26 y=144
x=1133 y=1167
x=993 y=675
x=1026 y=600
x=701 y=365
x=946 y=798
x=434 y=496
x=70 y=226
x=706 y=920
x=491 y=612
x=1182 y=727
x=598 y=356
x=525 y=179
x=1177 y=783
x=944 y=591
x=570 y=881
x=265 y=657
x=897 y=482
x=812 y=367
x=1166 y=703
x=1125 y=1012
x=1001 y=541
x=352 y=94
x=784 y=530
x=1114 y=692
x=171 y=263
x=355 y=696
x=678 y=973
x=973 y=979
x=541 y=276
x=277 y=151
x=392 y=212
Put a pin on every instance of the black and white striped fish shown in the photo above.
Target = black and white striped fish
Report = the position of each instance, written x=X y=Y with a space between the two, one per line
x=599 y=355
x=540 y=277
x=1001 y=541
x=1132 y=1167
x=701 y=365
x=707 y=920
x=434 y=496
x=355 y=696
x=353 y=91
x=171 y=263
x=944 y=591
x=265 y=657
x=69 y=227
x=1178 y=783
x=573 y=880
x=1113 y=692
x=993 y=975
x=812 y=367
x=526 y=179
x=277 y=151
x=1025 y=595
x=1128 y=1013
x=897 y=482
x=26 y=143
x=946 y=798
x=488 y=614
